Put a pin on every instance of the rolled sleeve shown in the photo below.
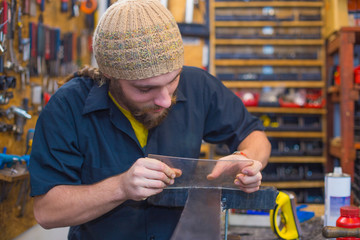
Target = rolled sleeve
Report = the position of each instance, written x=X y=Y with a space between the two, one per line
x=228 y=121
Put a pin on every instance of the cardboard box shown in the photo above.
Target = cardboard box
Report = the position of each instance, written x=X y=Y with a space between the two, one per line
x=336 y=16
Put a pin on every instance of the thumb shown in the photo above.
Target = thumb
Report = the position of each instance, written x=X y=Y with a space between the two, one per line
x=231 y=168
x=216 y=172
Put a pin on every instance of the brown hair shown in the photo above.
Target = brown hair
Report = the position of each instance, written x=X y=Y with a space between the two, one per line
x=86 y=71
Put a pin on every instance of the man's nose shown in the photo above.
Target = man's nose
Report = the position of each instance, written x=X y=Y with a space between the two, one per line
x=163 y=99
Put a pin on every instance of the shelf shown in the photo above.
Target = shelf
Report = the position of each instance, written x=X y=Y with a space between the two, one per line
x=336 y=150
x=295 y=134
x=288 y=42
x=268 y=4
x=286 y=110
x=295 y=184
x=335 y=42
x=334 y=92
x=261 y=84
x=299 y=159
x=267 y=62
x=269 y=23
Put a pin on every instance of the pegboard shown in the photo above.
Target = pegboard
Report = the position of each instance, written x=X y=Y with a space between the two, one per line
x=15 y=192
x=12 y=220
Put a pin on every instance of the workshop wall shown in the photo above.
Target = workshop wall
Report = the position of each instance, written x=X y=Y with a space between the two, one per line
x=52 y=21
x=55 y=40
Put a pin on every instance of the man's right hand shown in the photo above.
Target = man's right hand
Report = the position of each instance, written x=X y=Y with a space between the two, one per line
x=147 y=177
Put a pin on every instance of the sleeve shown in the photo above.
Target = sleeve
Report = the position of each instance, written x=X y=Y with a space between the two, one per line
x=227 y=119
x=55 y=157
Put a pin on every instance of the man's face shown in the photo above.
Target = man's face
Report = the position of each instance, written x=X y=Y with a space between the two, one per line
x=148 y=100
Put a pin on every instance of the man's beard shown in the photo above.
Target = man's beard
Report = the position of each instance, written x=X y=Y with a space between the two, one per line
x=145 y=115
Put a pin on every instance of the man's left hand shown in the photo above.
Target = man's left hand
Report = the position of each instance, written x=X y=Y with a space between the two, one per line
x=248 y=175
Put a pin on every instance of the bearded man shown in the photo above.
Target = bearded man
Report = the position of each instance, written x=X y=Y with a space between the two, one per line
x=89 y=167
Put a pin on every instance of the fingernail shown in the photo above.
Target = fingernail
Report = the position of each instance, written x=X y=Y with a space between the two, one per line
x=173 y=175
x=171 y=182
x=245 y=172
x=237 y=182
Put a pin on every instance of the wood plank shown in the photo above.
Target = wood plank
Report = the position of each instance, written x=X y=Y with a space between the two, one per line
x=300 y=159
x=269 y=24
x=333 y=46
x=9 y=178
x=295 y=184
x=268 y=62
x=286 y=42
x=287 y=110
x=269 y=4
x=295 y=134
x=261 y=84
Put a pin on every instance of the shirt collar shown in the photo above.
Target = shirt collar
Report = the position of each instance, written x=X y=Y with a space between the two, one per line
x=97 y=99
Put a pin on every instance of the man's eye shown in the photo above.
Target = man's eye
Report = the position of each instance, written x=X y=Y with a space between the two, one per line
x=144 y=90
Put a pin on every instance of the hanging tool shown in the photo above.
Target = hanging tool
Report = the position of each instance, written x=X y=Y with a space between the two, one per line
x=9 y=160
x=26 y=7
x=74 y=8
x=21 y=115
x=88 y=6
x=19 y=29
x=289 y=226
x=189 y=14
x=64 y=5
x=3 y=33
x=41 y=3
x=6 y=82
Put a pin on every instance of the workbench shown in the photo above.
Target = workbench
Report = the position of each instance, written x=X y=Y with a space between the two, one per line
x=311 y=229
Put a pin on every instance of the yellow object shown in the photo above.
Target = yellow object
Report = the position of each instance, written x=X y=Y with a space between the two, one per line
x=140 y=131
x=336 y=16
x=288 y=227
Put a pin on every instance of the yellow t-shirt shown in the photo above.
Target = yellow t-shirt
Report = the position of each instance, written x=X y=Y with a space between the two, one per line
x=140 y=131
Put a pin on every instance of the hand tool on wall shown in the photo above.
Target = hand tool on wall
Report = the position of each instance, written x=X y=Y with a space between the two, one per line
x=88 y=6
x=189 y=13
x=26 y=7
x=74 y=8
x=6 y=82
x=3 y=32
x=41 y=3
x=64 y=5
x=8 y=159
x=19 y=30
x=21 y=116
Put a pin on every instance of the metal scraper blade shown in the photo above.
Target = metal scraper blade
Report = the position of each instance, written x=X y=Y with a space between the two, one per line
x=200 y=218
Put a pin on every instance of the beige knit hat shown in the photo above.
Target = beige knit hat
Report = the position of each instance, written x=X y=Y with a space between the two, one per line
x=137 y=39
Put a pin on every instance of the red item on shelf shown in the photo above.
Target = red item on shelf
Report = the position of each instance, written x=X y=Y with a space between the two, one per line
x=314 y=99
x=349 y=218
x=47 y=97
x=288 y=104
x=337 y=76
x=249 y=99
x=357 y=74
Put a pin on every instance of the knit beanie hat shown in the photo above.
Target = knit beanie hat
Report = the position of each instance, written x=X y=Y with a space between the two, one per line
x=137 y=39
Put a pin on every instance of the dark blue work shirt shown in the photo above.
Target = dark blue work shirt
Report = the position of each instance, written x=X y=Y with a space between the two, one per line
x=81 y=137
